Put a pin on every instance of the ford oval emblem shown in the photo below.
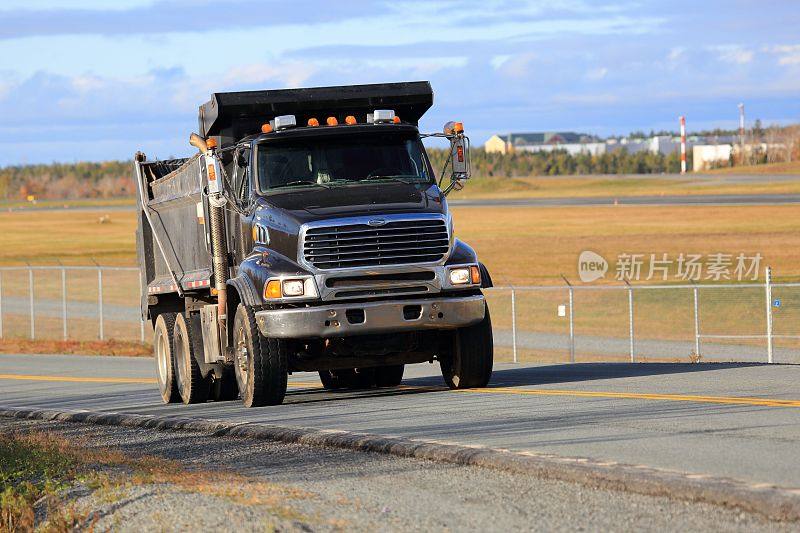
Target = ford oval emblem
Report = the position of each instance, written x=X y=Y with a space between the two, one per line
x=377 y=222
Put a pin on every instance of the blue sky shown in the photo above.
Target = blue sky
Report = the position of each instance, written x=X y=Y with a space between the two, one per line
x=97 y=80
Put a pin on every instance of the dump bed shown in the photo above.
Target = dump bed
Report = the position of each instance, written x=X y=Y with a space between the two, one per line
x=173 y=194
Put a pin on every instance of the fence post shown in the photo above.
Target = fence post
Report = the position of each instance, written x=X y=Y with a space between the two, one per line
x=64 y=300
x=30 y=294
x=768 y=289
x=630 y=319
x=696 y=322
x=571 y=321
x=100 y=301
x=514 y=323
x=1 y=304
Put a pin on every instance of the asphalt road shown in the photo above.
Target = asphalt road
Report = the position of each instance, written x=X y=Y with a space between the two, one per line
x=588 y=201
x=740 y=421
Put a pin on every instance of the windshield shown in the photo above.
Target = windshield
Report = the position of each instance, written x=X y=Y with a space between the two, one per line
x=324 y=161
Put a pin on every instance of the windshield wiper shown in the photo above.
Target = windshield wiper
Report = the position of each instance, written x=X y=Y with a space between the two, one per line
x=300 y=183
x=397 y=177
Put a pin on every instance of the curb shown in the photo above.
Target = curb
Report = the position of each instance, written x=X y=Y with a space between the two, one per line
x=770 y=501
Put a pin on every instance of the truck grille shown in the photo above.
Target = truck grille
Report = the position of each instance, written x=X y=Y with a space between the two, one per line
x=361 y=245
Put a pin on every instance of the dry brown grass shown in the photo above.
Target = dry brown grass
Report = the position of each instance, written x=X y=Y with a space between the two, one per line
x=74 y=347
x=523 y=245
x=791 y=167
x=108 y=471
x=77 y=237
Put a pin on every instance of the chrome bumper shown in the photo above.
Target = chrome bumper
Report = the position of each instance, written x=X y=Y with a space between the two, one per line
x=371 y=317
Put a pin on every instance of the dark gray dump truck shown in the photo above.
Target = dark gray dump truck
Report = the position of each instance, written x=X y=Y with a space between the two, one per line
x=309 y=233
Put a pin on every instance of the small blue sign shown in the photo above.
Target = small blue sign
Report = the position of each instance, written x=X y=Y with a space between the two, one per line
x=776 y=302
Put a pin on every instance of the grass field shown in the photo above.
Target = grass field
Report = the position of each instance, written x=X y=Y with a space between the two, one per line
x=520 y=245
x=792 y=167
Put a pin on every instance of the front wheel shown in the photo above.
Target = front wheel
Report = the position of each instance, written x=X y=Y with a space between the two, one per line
x=469 y=363
x=261 y=363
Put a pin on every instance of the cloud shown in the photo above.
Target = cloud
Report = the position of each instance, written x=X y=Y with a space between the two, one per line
x=596 y=74
x=733 y=54
x=789 y=53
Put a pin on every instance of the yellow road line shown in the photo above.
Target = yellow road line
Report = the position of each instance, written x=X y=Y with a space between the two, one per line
x=75 y=379
x=730 y=400
x=726 y=400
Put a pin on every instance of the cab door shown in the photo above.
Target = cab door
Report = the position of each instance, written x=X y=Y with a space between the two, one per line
x=241 y=218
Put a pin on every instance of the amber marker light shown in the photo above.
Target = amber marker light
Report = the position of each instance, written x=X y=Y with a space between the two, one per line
x=396 y=119
x=272 y=290
x=458 y=127
x=313 y=122
x=266 y=128
x=332 y=121
x=350 y=120
x=475 y=274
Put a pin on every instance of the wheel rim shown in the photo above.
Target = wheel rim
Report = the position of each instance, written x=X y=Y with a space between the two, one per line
x=161 y=359
x=181 y=361
x=242 y=356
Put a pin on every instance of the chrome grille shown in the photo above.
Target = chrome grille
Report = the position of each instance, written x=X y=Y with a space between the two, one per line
x=397 y=242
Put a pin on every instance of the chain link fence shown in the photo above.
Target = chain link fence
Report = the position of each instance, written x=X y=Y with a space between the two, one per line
x=745 y=322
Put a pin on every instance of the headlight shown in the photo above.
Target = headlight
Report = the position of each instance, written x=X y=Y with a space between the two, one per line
x=290 y=288
x=470 y=275
x=459 y=276
x=293 y=287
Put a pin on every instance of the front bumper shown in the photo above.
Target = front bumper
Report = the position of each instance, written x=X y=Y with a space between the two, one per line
x=341 y=320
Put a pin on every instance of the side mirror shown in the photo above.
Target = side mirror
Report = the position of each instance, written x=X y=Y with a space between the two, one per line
x=459 y=156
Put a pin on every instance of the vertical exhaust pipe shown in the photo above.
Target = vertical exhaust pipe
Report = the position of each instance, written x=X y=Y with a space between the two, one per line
x=216 y=215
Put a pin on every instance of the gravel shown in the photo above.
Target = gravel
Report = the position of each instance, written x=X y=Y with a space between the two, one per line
x=367 y=491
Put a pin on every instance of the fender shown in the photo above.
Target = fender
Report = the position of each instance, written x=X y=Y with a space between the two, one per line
x=246 y=290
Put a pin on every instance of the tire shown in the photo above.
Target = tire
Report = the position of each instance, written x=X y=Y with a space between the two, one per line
x=389 y=376
x=225 y=388
x=165 y=357
x=330 y=380
x=261 y=363
x=187 y=342
x=469 y=364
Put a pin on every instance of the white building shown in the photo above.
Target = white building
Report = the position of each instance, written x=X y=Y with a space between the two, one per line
x=703 y=155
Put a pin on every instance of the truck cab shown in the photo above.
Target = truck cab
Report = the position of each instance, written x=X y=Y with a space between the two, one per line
x=325 y=245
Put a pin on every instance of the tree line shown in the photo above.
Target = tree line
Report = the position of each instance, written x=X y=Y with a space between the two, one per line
x=559 y=162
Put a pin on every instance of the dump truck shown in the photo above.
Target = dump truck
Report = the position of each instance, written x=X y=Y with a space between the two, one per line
x=309 y=233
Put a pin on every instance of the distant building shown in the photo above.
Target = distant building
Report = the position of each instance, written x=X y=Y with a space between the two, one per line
x=705 y=155
x=573 y=143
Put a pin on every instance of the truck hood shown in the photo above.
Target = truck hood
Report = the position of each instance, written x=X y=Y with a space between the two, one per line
x=308 y=204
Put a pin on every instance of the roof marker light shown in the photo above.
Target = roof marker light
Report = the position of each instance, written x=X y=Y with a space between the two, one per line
x=266 y=128
x=350 y=119
x=396 y=119
x=383 y=115
x=313 y=122
x=285 y=121
x=332 y=121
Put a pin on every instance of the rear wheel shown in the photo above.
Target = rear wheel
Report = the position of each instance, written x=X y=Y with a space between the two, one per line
x=165 y=357
x=469 y=363
x=192 y=386
x=330 y=379
x=261 y=363
x=389 y=376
